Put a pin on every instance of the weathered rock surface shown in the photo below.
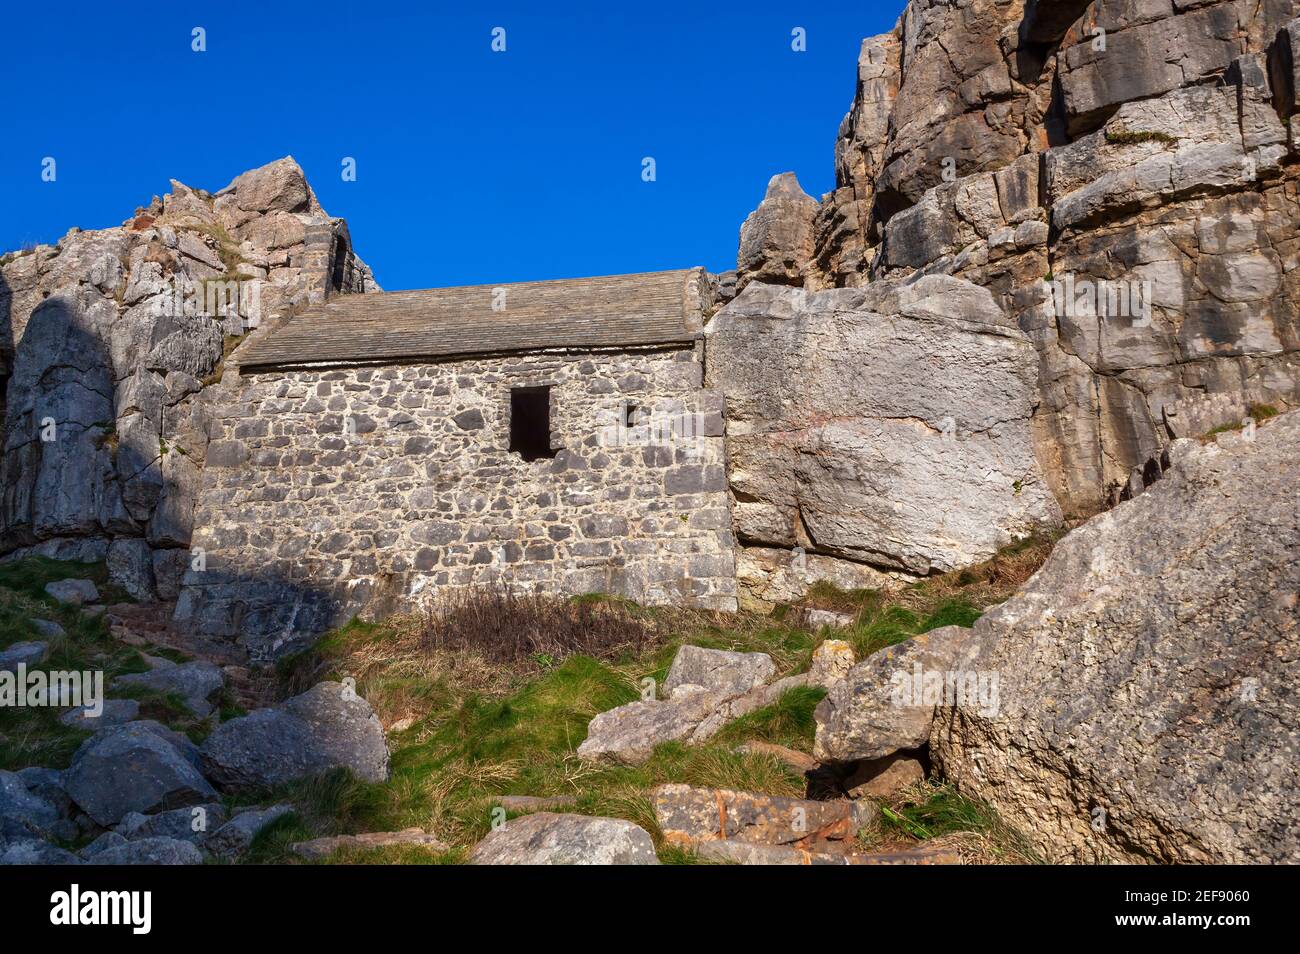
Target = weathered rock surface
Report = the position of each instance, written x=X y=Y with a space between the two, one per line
x=193 y=824
x=409 y=837
x=108 y=338
x=26 y=808
x=706 y=688
x=326 y=727
x=31 y=851
x=880 y=778
x=1157 y=141
x=137 y=767
x=550 y=839
x=695 y=668
x=887 y=701
x=907 y=443
x=236 y=836
x=29 y=654
x=689 y=815
x=1149 y=710
x=111 y=712
x=149 y=851
x=195 y=682
x=776 y=241
x=751 y=853
x=73 y=592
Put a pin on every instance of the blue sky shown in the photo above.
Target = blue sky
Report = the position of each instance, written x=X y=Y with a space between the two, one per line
x=472 y=166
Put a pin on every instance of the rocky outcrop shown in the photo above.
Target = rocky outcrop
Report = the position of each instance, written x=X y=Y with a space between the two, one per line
x=1037 y=149
x=1147 y=704
x=887 y=425
x=109 y=341
x=776 y=239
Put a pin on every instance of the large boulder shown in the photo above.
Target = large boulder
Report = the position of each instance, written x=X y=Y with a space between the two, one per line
x=137 y=767
x=326 y=727
x=906 y=444
x=886 y=702
x=1148 y=705
x=550 y=839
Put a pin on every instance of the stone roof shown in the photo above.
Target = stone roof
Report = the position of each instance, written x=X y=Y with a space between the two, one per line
x=612 y=311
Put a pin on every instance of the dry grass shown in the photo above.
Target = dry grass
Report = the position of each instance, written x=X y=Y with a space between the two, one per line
x=506 y=627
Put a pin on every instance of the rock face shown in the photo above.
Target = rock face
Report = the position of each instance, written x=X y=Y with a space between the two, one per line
x=906 y=443
x=1149 y=709
x=1027 y=146
x=549 y=839
x=776 y=239
x=106 y=340
x=325 y=727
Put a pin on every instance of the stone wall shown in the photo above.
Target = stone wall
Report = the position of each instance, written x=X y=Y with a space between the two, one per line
x=328 y=493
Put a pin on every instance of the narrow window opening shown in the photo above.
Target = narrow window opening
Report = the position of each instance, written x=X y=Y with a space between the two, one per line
x=631 y=414
x=530 y=422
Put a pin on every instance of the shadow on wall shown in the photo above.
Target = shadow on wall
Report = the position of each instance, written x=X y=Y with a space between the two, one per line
x=79 y=481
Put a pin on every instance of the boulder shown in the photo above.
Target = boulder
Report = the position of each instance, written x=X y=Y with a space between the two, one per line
x=31 y=851
x=130 y=566
x=1148 y=703
x=887 y=701
x=18 y=804
x=551 y=839
x=881 y=778
x=628 y=734
x=48 y=628
x=112 y=712
x=26 y=654
x=907 y=444
x=137 y=767
x=831 y=662
x=236 y=836
x=109 y=839
x=326 y=727
x=716 y=670
x=194 y=682
x=410 y=837
x=688 y=815
x=73 y=592
x=150 y=851
x=195 y=823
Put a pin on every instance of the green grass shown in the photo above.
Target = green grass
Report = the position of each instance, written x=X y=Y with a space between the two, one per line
x=475 y=732
x=33 y=735
x=936 y=811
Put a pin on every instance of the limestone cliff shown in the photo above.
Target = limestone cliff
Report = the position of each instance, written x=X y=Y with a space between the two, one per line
x=1059 y=153
x=110 y=340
